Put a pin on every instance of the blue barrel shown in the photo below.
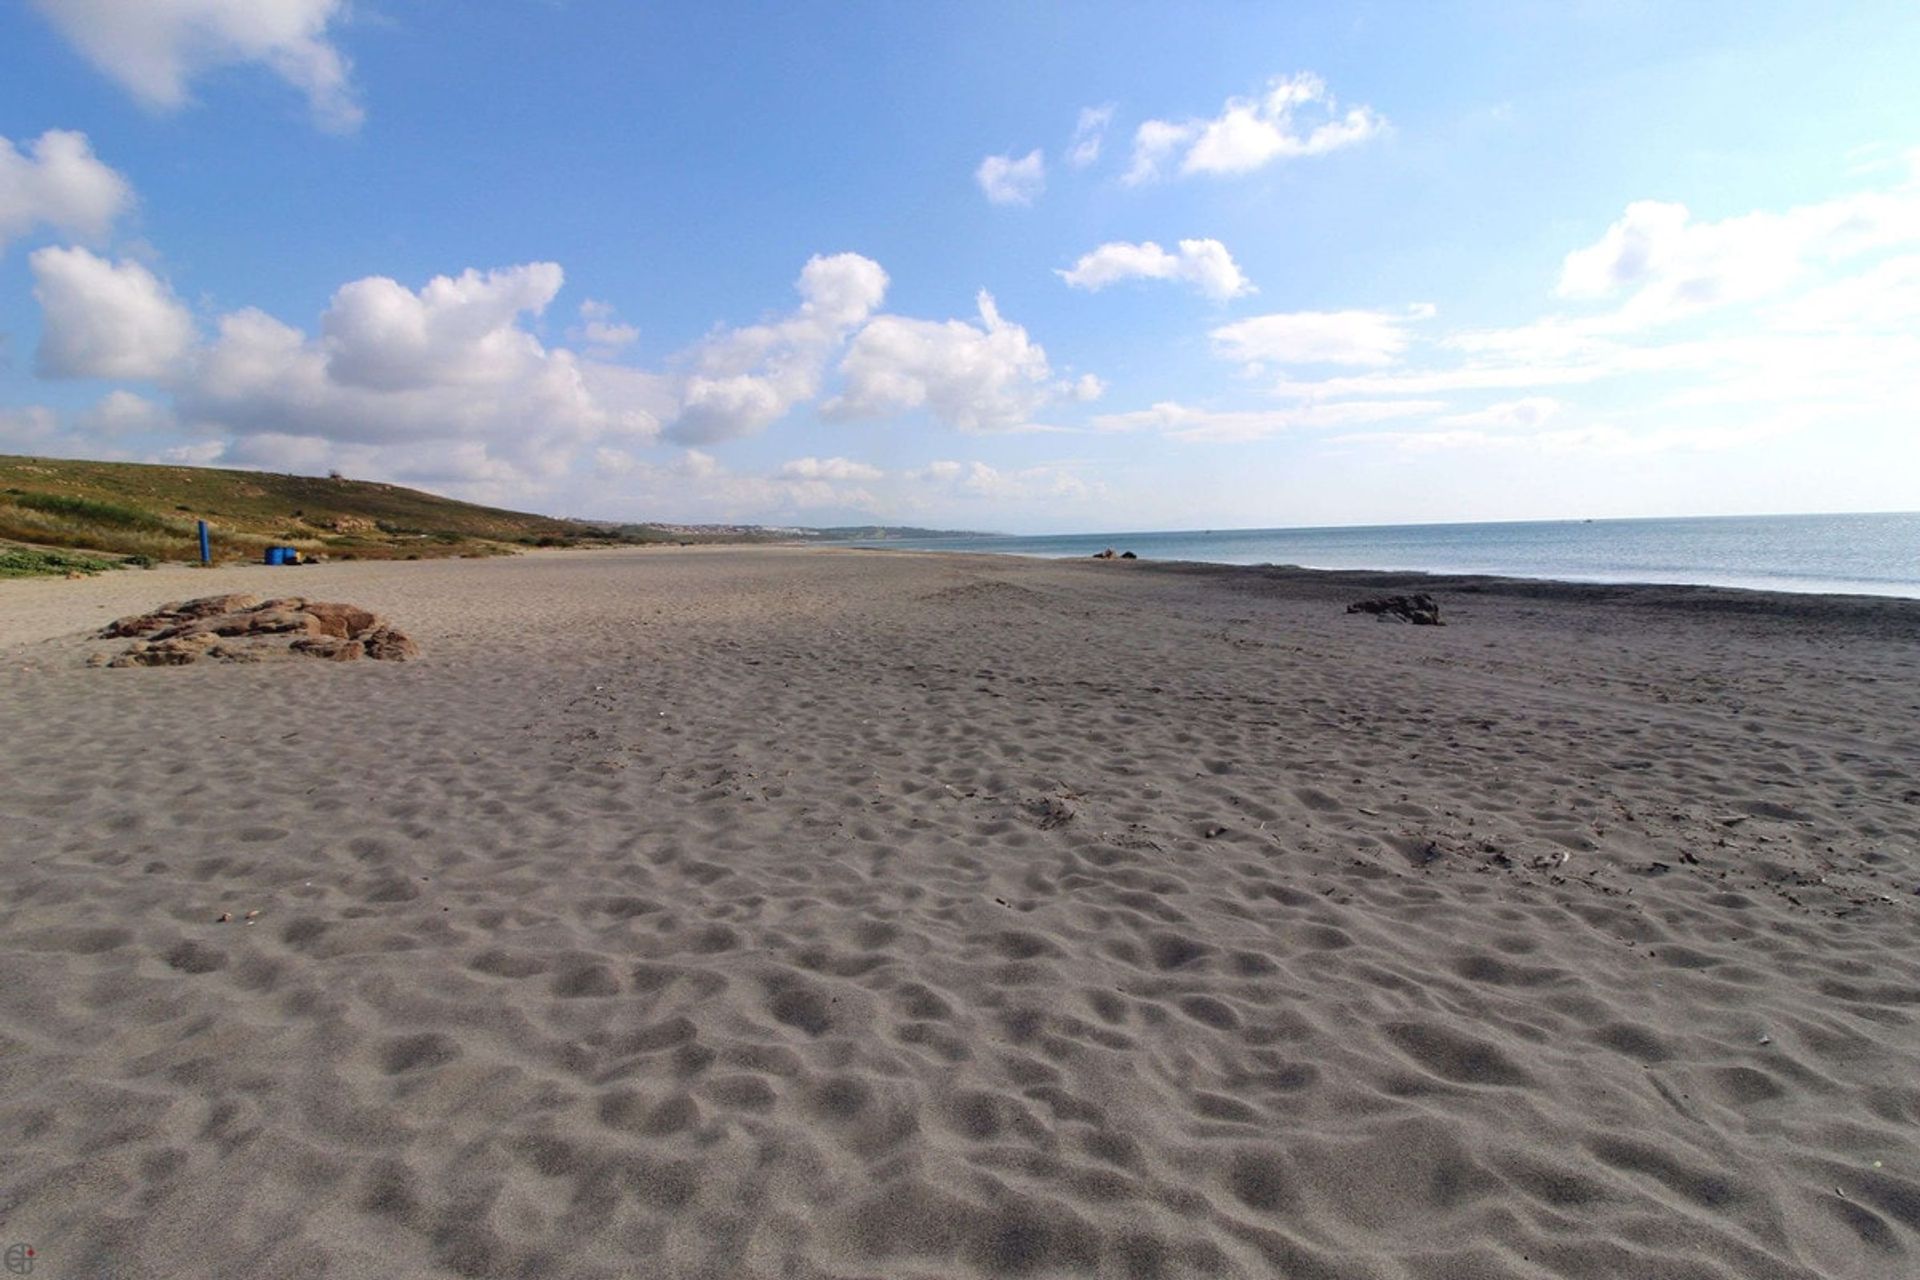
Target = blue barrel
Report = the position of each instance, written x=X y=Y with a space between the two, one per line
x=276 y=555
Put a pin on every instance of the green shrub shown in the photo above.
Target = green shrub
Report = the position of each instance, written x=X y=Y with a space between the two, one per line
x=32 y=562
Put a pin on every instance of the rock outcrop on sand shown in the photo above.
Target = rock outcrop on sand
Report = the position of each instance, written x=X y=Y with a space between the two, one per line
x=244 y=628
x=1417 y=609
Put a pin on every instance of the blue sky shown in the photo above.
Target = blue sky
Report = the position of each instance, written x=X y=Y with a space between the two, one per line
x=1003 y=266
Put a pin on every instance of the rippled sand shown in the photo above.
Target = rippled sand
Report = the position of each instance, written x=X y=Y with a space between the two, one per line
x=832 y=914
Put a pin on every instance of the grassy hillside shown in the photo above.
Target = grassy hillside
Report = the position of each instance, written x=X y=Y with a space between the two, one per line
x=149 y=512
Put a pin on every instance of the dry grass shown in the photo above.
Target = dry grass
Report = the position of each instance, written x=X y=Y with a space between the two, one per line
x=140 y=510
x=25 y=524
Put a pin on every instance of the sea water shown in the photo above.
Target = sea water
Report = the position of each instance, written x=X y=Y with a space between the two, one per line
x=1846 y=554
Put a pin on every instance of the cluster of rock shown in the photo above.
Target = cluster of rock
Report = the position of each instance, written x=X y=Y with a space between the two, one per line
x=245 y=628
x=1417 y=609
x=1108 y=554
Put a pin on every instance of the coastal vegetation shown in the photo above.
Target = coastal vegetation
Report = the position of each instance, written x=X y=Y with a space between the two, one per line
x=53 y=507
x=41 y=562
x=145 y=514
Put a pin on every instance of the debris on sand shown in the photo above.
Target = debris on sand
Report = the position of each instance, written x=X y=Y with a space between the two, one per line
x=1420 y=609
x=244 y=628
x=1048 y=812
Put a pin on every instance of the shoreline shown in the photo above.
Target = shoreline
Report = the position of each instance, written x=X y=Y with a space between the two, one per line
x=42 y=595
x=1865 y=553
x=1909 y=592
x=1684 y=597
x=39 y=606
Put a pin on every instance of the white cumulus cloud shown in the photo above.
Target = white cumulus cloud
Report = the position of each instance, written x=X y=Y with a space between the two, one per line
x=1204 y=264
x=449 y=383
x=57 y=181
x=743 y=380
x=155 y=48
x=985 y=377
x=440 y=385
x=104 y=319
x=262 y=375
x=1009 y=181
x=1294 y=117
x=456 y=330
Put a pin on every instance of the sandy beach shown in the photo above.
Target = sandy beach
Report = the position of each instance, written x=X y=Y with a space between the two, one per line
x=810 y=913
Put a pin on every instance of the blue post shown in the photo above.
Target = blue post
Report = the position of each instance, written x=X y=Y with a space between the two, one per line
x=206 y=547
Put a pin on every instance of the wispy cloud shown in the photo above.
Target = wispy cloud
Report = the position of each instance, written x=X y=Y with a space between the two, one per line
x=1050 y=482
x=1721 y=333
x=155 y=48
x=1216 y=426
x=1318 y=337
x=601 y=332
x=1510 y=415
x=1007 y=180
x=1665 y=265
x=1089 y=132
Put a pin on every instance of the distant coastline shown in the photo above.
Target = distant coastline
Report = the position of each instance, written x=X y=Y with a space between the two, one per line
x=1859 y=554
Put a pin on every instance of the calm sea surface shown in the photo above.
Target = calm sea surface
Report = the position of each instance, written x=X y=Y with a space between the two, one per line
x=1857 y=554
